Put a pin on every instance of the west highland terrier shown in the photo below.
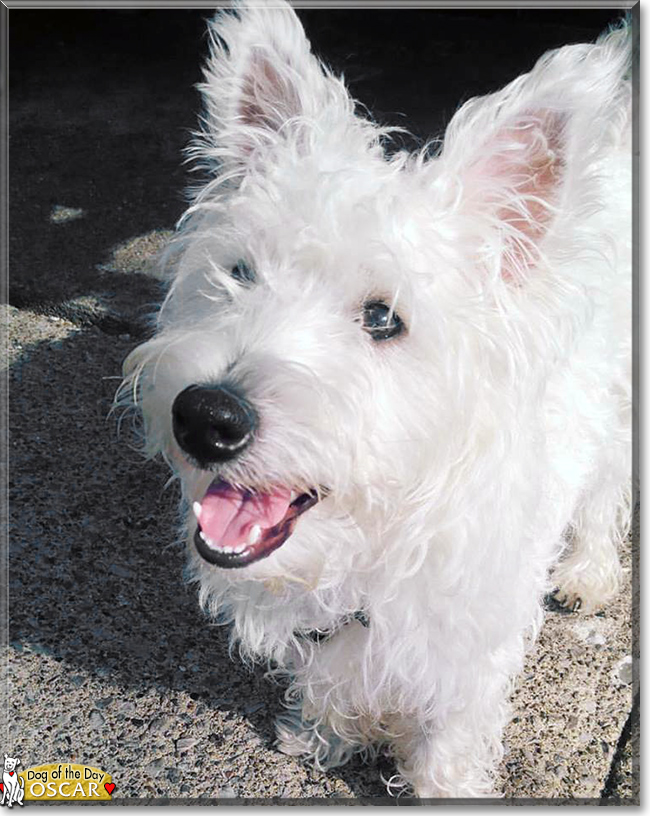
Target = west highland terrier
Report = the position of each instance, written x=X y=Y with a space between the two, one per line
x=396 y=389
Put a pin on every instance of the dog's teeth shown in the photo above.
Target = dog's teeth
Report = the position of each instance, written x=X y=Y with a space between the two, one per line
x=197 y=509
x=207 y=540
x=293 y=496
x=241 y=548
x=255 y=534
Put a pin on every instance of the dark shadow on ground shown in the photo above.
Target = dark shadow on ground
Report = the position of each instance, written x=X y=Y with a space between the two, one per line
x=102 y=103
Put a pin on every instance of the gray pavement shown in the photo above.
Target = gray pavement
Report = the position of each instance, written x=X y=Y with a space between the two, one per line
x=109 y=661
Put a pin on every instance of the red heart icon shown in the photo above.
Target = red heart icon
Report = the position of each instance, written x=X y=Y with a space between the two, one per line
x=110 y=786
x=11 y=773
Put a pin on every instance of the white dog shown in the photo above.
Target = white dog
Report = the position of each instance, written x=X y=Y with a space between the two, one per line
x=394 y=388
x=13 y=790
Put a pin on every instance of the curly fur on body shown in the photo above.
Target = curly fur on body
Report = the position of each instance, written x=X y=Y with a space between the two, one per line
x=454 y=461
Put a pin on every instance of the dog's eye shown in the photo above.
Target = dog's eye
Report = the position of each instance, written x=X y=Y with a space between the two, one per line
x=242 y=272
x=380 y=321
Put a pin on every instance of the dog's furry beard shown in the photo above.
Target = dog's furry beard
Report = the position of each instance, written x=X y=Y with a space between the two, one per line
x=437 y=348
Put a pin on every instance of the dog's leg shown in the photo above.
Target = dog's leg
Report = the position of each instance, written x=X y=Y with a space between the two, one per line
x=321 y=722
x=589 y=576
x=455 y=756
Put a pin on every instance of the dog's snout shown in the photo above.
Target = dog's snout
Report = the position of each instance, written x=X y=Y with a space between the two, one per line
x=212 y=423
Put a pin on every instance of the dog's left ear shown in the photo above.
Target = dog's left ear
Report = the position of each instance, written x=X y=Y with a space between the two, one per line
x=514 y=185
x=518 y=164
x=262 y=84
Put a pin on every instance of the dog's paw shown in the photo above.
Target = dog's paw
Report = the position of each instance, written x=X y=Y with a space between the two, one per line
x=568 y=601
x=293 y=738
x=318 y=744
x=585 y=591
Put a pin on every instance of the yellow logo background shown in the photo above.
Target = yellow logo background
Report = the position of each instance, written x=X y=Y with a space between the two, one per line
x=64 y=781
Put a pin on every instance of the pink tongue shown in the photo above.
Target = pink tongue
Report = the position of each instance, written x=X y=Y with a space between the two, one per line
x=227 y=514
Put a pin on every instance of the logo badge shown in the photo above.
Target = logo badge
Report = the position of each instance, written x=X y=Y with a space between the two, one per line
x=55 y=782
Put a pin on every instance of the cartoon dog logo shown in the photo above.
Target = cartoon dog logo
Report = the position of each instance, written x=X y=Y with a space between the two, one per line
x=13 y=786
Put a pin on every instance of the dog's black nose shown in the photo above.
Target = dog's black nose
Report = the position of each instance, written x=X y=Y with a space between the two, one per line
x=212 y=423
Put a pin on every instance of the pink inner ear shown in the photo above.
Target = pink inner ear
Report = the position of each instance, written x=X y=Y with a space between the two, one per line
x=268 y=97
x=523 y=172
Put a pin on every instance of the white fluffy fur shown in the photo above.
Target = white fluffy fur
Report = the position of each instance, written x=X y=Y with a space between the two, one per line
x=459 y=457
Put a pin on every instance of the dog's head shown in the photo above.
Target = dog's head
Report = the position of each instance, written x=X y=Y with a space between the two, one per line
x=345 y=331
x=11 y=763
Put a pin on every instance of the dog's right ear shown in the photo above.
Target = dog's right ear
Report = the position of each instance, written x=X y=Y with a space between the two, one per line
x=262 y=84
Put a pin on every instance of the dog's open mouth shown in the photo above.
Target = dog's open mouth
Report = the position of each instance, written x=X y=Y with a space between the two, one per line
x=237 y=527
